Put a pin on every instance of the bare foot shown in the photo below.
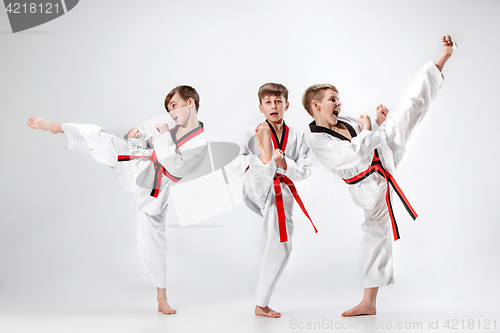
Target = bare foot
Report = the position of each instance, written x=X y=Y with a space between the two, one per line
x=266 y=312
x=360 y=309
x=164 y=307
x=449 y=47
x=40 y=123
x=367 y=306
x=263 y=137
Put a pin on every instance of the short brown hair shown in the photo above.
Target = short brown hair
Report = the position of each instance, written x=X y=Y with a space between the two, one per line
x=185 y=92
x=315 y=92
x=272 y=89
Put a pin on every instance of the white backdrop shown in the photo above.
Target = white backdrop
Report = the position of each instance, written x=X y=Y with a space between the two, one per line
x=67 y=231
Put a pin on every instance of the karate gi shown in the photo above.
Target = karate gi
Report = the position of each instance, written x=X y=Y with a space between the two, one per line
x=137 y=175
x=348 y=158
x=259 y=195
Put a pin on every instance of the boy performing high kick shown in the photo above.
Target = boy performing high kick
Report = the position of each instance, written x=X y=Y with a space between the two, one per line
x=367 y=160
x=148 y=169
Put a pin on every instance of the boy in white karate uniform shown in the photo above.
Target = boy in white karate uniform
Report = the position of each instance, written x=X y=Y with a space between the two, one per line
x=271 y=156
x=366 y=160
x=147 y=168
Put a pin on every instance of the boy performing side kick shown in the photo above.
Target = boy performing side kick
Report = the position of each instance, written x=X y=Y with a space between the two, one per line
x=367 y=160
x=146 y=171
x=271 y=156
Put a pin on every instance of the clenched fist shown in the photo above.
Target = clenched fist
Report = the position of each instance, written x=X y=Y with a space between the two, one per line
x=365 y=121
x=382 y=112
x=134 y=133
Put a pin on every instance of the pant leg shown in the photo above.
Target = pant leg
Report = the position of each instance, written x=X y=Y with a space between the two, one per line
x=152 y=247
x=275 y=255
x=399 y=125
x=104 y=148
x=376 y=252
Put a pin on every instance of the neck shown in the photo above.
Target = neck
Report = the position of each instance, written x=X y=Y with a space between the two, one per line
x=324 y=123
x=191 y=124
x=277 y=126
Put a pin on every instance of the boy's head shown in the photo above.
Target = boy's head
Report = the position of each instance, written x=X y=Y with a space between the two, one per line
x=180 y=103
x=185 y=93
x=273 y=101
x=273 y=89
x=322 y=102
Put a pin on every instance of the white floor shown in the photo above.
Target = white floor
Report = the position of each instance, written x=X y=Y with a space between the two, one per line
x=401 y=308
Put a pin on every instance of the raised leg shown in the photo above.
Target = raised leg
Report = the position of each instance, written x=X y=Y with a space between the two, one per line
x=400 y=125
x=449 y=47
x=263 y=137
x=40 y=123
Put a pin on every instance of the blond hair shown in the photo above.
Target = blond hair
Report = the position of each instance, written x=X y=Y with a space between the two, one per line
x=315 y=92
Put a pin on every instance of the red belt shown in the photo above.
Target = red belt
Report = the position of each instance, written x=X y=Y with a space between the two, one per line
x=159 y=171
x=278 y=179
x=377 y=166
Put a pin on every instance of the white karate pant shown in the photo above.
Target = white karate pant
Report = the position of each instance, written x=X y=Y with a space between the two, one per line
x=152 y=247
x=258 y=186
x=370 y=193
x=151 y=241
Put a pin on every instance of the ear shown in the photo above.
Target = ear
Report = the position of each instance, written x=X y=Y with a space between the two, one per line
x=315 y=105
x=191 y=102
x=260 y=108
x=287 y=105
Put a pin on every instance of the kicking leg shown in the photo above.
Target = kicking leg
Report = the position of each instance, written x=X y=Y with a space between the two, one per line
x=423 y=90
x=263 y=137
x=40 y=123
x=449 y=47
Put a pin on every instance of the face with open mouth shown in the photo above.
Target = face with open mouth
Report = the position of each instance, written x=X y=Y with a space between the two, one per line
x=273 y=107
x=179 y=109
x=329 y=107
